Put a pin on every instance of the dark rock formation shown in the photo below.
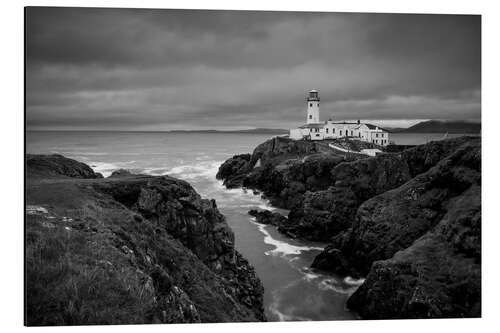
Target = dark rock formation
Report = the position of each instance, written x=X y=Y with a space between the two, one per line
x=322 y=187
x=283 y=169
x=393 y=220
x=409 y=221
x=57 y=166
x=275 y=219
x=418 y=243
x=131 y=249
x=234 y=170
x=323 y=214
x=121 y=173
x=438 y=276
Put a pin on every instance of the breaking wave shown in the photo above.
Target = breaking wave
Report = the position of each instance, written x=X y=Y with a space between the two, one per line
x=281 y=247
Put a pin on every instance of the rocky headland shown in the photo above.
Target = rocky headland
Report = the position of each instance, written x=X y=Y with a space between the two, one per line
x=129 y=249
x=409 y=222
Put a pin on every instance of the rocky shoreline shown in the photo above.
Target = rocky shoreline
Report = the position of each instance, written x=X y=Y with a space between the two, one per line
x=410 y=222
x=129 y=249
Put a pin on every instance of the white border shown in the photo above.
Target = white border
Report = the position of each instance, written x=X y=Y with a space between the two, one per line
x=11 y=242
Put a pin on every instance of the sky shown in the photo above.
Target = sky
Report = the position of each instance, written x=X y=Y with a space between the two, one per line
x=140 y=69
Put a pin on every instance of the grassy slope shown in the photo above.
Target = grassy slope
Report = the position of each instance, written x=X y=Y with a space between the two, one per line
x=90 y=260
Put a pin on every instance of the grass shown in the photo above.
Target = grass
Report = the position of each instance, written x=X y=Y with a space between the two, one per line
x=111 y=265
x=72 y=278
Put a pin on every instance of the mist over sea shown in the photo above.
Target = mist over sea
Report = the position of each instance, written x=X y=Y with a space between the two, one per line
x=292 y=290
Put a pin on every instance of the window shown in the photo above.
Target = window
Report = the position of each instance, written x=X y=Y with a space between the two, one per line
x=333 y=130
x=327 y=130
x=310 y=104
x=376 y=135
x=351 y=133
x=340 y=132
x=310 y=116
x=359 y=134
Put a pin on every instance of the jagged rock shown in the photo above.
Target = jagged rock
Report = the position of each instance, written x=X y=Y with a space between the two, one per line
x=331 y=211
x=268 y=217
x=286 y=169
x=438 y=276
x=409 y=221
x=332 y=259
x=120 y=173
x=171 y=254
x=233 y=170
x=273 y=218
x=393 y=220
x=324 y=189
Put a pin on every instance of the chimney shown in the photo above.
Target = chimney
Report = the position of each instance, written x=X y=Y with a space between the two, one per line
x=359 y=121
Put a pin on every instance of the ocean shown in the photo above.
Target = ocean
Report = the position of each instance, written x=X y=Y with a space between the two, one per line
x=292 y=290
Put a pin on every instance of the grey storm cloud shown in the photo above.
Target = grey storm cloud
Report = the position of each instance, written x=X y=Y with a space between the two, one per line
x=96 y=68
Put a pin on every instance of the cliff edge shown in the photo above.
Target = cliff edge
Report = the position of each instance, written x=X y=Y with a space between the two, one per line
x=409 y=222
x=129 y=249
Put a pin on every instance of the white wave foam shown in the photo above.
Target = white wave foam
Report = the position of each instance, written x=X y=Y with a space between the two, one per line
x=34 y=210
x=353 y=282
x=266 y=206
x=105 y=168
x=190 y=171
x=311 y=276
x=281 y=247
x=334 y=285
x=155 y=171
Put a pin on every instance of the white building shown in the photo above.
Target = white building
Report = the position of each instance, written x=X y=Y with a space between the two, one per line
x=314 y=129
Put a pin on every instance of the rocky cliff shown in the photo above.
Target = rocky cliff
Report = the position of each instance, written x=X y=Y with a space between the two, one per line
x=409 y=221
x=324 y=187
x=419 y=244
x=283 y=169
x=129 y=249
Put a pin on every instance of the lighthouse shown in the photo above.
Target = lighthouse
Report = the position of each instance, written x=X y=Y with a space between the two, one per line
x=312 y=107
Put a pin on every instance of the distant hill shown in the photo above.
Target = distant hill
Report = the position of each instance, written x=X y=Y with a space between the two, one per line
x=394 y=129
x=437 y=126
x=252 y=130
x=265 y=131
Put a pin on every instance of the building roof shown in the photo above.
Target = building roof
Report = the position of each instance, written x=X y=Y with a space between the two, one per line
x=372 y=127
x=313 y=125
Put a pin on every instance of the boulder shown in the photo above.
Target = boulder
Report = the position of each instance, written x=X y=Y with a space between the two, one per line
x=438 y=276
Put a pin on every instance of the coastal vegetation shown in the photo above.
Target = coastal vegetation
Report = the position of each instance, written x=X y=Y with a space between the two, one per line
x=129 y=249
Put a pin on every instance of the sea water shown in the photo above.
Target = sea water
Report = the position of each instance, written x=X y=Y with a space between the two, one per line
x=293 y=291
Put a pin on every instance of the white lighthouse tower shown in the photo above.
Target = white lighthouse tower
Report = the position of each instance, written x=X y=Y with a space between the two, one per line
x=313 y=107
